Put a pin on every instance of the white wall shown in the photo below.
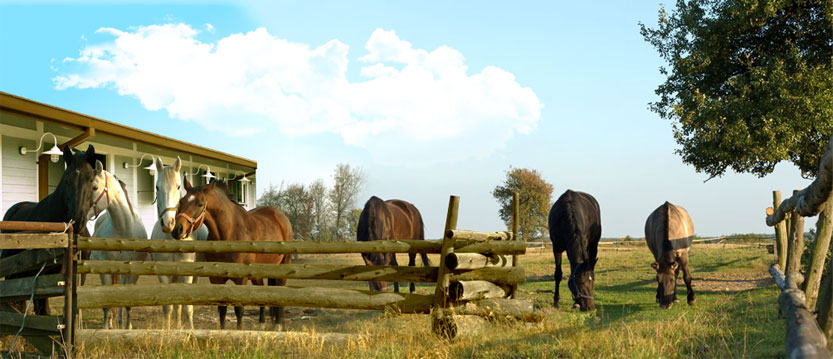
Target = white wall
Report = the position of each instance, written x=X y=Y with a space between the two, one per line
x=18 y=172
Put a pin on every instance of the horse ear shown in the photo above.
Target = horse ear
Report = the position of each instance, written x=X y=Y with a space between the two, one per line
x=655 y=265
x=177 y=164
x=67 y=155
x=98 y=166
x=90 y=155
x=186 y=184
x=159 y=164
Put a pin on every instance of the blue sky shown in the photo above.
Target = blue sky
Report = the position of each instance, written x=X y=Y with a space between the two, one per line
x=428 y=98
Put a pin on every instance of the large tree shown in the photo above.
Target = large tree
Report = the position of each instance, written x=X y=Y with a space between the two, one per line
x=534 y=200
x=296 y=203
x=748 y=83
x=271 y=197
x=321 y=230
x=347 y=183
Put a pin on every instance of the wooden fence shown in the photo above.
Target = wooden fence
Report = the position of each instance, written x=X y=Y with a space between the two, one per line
x=808 y=335
x=480 y=282
x=46 y=247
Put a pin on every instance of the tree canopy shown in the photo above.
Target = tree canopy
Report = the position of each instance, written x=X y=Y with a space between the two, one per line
x=534 y=200
x=749 y=82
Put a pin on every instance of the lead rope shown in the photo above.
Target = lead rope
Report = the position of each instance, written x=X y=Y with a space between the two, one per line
x=26 y=311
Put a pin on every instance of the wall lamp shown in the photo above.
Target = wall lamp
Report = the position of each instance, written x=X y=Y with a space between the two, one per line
x=54 y=153
x=151 y=167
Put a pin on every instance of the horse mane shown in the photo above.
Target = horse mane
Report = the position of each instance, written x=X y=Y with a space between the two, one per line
x=126 y=196
x=224 y=187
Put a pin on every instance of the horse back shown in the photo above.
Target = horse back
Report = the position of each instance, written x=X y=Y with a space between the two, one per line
x=406 y=220
x=21 y=211
x=669 y=228
x=575 y=225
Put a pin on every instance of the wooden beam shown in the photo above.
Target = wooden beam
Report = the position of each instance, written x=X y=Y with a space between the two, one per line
x=21 y=288
x=476 y=289
x=809 y=201
x=261 y=296
x=306 y=247
x=804 y=338
x=521 y=309
x=30 y=259
x=43 y=176
x=460 y=261
x=38 y=322
x=33 y=240
x=479 y=236
x=33 y=226
x=87 y=133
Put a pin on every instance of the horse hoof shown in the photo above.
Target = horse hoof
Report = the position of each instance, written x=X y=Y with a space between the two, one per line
x=576 y=306
x=692 y=301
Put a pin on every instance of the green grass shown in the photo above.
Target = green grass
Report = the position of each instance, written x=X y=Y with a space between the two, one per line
x=735 y=317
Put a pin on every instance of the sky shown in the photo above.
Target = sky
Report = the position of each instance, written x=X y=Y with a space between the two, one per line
x=429 y=98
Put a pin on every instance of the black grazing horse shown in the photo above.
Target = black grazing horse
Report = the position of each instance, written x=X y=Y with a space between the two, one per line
x=389 y=220
x=576 y=226
x=71 y=200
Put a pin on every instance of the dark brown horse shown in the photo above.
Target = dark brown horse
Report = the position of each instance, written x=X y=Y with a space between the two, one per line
x=575 y=226
x=389 y=220
x=228 y=221
x=669 y=231
x=71 y=201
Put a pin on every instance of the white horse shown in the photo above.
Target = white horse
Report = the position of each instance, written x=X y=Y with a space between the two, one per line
x=119 y=221
x=168 y=193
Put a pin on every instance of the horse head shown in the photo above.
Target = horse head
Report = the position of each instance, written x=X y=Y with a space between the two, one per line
x=168 y=193
x=77 y=182
x=192 y=208
x=582 y=283
x=666 y=282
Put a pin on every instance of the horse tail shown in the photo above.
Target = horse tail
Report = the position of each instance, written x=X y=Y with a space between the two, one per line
x=424 y=256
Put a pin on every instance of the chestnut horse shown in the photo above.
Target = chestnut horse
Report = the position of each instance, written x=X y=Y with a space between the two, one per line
x=228 y=221
x=389 y=220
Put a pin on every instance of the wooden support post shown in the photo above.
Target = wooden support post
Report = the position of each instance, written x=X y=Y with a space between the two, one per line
x=440 y=321
x=780 y=233
x=796 y=245
x=68 y=333
x=515 y=258
x=816 y=268
x=825 y=307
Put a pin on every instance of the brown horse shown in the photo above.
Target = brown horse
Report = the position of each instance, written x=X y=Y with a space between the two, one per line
x=389 y=220
x=669 y=231
x=228 y=221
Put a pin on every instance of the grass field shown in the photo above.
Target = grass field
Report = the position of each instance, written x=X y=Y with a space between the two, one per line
x=735 y=316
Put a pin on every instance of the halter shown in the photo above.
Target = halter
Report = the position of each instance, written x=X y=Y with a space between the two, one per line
x=572 y=280
x=195 y=223
x=169 y=209
x=105 y=192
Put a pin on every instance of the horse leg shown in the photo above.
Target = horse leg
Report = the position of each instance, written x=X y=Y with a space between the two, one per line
x=187 y=309
x=676 y=276
x=394 y=263
x=277 y=313
x=412 y=263
x=238 y=312
x=687 y=278
x=106 y=280
x=558 y=275
x=128 y=279
x=166 y=309
x=222 y=309
x=262 y=317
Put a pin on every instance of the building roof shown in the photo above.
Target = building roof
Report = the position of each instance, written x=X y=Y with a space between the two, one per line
x=48 y=113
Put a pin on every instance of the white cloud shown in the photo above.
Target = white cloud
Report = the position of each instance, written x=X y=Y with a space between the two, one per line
x=413 y=105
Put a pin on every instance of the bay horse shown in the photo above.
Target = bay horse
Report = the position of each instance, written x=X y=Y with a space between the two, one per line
x=575 y=226
x=668 y=232
x=388 y=220
x=70 y=201
x=228 y=221
x=118 y=220
x=168 y=194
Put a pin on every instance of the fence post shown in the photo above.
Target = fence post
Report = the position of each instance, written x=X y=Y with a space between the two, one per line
x=70 y=308
x=796 y=247
x=515 y=235
x=825 y=307
x=441 y=321
x=814 y=271
x=780 y=234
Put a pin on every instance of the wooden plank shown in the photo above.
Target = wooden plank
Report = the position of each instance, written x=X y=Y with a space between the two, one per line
x=11 y=330
x=125 y=337
x=476 y=289
x=462 y=234
x=460 y=261
x=38 y=322
x=21 y=288
x=33 y=240
x=32 y=226
x=217 y=294
x=306 y=247
x=30 y=259
x=299 y=271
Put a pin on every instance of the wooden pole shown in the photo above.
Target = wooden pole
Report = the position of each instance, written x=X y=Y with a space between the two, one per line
x=816 y=268
x=804 y=338
x=780 y=234
x=461 y=234
x=825 y=307
x=306 y=247
x=439 y=319
x=68 y=331
x=515 y=258
x=476 y=289
x=460 y=261
x=810 y=200
x=796 y=245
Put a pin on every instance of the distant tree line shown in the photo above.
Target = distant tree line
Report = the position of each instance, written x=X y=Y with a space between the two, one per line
x=319 y=213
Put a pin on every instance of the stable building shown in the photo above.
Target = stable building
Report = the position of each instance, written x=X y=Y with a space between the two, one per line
x=29 y=130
